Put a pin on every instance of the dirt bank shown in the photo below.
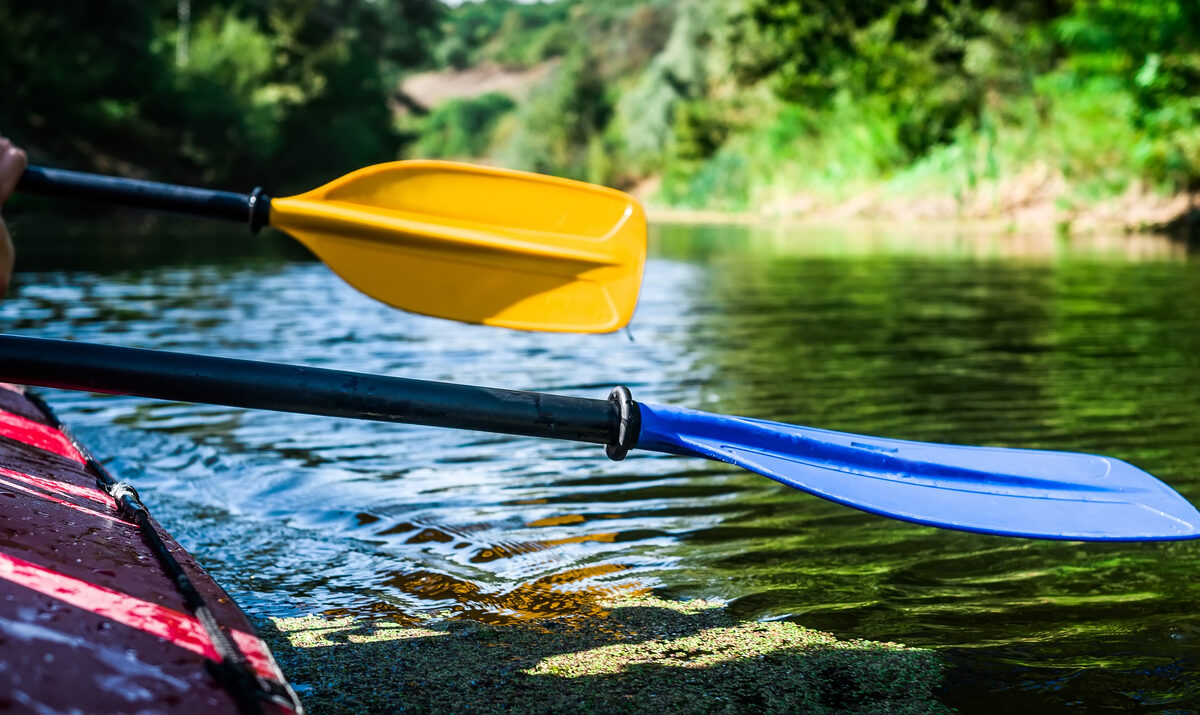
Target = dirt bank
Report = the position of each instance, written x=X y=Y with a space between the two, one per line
x=429 y=89
x=1038 y=200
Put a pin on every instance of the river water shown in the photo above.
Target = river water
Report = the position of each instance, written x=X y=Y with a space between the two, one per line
x=1088 y=344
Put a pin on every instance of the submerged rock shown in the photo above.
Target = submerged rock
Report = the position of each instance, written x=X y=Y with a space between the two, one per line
x=641 y=655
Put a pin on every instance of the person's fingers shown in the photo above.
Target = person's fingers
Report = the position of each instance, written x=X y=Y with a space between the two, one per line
x=7 y=256
x=12 y=164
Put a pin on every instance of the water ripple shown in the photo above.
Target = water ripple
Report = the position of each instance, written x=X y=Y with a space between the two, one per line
x=1086 y=349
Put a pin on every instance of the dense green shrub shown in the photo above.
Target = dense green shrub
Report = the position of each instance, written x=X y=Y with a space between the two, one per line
x=511 y=33
x=296 y=88
x=562 y=120
x=1151 y=52
x=462 y=128
x=930 y=64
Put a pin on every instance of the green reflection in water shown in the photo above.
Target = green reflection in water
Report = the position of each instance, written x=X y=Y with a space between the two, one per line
x=1089 y=345
x=106 y=241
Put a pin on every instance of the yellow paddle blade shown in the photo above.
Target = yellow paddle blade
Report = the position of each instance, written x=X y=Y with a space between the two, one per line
x=478 y=244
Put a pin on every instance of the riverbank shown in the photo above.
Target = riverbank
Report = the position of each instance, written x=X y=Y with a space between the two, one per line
x=639 y=655
x=1033 y=203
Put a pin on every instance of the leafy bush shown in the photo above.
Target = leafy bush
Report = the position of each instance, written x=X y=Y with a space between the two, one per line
x=462 y=128
x=296 y=88
x=913 y=60
x=1151 y=52
x=512 y=33
x=562 y=120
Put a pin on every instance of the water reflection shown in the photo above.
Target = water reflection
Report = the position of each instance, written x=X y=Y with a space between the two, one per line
x=1090 y=351
x=1087 y=344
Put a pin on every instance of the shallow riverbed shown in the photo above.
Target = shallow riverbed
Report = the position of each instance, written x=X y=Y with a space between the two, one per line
x=1088 y=344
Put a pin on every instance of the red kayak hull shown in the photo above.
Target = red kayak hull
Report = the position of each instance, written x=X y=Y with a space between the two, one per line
x=90 y=620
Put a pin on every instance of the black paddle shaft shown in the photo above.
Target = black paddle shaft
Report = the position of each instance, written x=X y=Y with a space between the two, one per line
x=317 y=391
x=252 y=208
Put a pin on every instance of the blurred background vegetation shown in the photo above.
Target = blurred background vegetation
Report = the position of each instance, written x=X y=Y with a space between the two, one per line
x=223 y=92
x=716 y=104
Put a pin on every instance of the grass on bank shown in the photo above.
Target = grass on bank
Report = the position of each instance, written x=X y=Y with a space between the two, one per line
x=643 y=655
x=1071 y=146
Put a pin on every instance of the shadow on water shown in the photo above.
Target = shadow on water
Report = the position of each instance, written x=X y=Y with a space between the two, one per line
x=138 y=241
x=638 y=656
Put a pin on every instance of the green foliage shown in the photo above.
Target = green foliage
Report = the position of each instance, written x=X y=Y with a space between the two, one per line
x=462 y=128
x=512 y=33
x=953 y=93
x=723 y=183
x=1151 y=52
x=571 y=123
x=562 y=121
x=296 y=88
x=701 y=128
x=732 y=103
x=646 y=114
x=61 y=86
x=229 y=112
x=930 y=64
x=623 y=34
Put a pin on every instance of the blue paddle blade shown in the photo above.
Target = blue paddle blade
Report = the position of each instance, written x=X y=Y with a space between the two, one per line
x=991 y=490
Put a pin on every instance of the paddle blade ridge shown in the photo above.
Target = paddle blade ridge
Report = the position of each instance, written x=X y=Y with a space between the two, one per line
x=478 y=244
x=991 y=490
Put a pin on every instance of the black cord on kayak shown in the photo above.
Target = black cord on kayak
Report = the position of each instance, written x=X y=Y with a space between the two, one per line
x=233 y=670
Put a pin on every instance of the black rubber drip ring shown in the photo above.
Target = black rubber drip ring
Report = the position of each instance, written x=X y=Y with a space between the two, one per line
x=629 y=423
x=260 y=209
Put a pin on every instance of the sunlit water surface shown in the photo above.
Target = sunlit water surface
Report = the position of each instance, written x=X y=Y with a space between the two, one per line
x=1088 y=344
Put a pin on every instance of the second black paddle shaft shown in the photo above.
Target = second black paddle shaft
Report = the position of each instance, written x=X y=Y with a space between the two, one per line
x=249 y=208
x=293 y=388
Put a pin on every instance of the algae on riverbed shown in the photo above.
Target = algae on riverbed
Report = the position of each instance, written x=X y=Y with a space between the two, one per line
x=645 y=654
